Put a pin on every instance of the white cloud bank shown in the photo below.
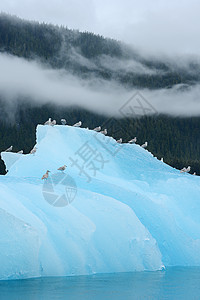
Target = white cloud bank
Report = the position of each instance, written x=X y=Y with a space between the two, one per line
x=31 y=80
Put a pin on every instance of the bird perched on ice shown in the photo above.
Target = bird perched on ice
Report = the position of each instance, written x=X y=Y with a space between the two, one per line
x=133 y=141
x=119 y=141
x=162 y=159
x=53 y=123
x=144 y=145
x=63 y=122
x=9 y=149
x=183 y=170
x=62 y=168
x=48 y=122
x=104 y=131
x=78 y=124
x=46 y=175
x=97 y=129
x=33 y=150
x=186 y=170
x=194 y=173
x=20 y=152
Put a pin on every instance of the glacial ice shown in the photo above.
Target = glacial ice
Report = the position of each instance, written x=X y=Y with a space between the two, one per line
x=116 y=208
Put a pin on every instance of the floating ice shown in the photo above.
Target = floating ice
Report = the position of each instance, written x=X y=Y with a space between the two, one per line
x=116 y=208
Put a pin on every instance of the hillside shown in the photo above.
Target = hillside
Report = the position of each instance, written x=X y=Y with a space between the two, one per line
x=86 y=54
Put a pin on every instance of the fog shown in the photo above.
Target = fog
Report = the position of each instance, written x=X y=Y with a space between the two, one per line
x=38 y=84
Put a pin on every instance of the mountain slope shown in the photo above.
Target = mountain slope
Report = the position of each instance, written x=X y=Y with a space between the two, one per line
x=86 y=54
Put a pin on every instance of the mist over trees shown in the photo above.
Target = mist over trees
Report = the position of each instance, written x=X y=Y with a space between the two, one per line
x=86 y=54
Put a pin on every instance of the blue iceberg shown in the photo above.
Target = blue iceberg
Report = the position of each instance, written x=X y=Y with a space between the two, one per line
x=116 y=208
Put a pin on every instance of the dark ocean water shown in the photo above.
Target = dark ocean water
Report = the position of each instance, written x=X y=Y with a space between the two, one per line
x=173 y=283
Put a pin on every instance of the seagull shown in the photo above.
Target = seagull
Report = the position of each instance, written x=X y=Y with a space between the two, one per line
x=9 y=149
x=97 y=129
x=104 y=131
x=48 y=122
x=63 y=122
x=45 y=176
x=194 y=173
x=119 y=141
x=133 y=141
x=53 y=123
x=33 y=150
x=62 y=168
x=186 y=170
x=78 y=124
x=20 y=152
x=144 y=145
x=162 y=159
x=183 y=170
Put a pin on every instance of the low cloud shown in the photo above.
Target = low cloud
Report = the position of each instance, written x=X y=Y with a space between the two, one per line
x=109 y=63
x=125 y=65
x=30 y=80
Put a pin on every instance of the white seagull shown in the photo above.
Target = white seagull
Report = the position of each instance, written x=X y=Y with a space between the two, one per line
x=144 y=145
x=46 y=175
x=162 y=159
x=133 y=141
x=183 y=170
x=48 y=122
x=33 y=150
x=78 y=124
x=63 y=122
x=188 y=169
x=62 y=168
x=104 y=131
x=20 y=152
x=97 y=129
x=9 y=149
x=53 y=123
x=119 y=141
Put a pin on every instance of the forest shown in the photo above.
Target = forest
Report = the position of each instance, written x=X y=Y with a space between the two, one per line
x=61 y=48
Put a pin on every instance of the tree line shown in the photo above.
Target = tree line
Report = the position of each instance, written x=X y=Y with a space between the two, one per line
x=177 y=140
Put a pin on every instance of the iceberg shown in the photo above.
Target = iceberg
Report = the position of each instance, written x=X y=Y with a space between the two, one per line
x=116 y=208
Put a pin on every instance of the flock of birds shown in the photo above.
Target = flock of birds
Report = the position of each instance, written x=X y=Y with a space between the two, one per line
x=97 y=129
x=21 y=151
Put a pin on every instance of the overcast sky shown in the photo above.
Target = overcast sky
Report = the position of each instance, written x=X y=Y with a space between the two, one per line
x=155 y=26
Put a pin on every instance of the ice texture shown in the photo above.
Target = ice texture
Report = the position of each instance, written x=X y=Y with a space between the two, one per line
x=131 y=212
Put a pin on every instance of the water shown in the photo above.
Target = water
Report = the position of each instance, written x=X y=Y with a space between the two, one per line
x=174 y=283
